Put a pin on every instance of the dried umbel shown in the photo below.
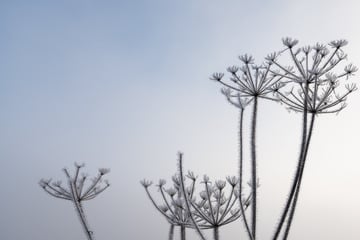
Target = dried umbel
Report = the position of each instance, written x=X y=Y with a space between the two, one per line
x=249 y=80
x=77 y=191
x=215 y=208
x=315 y=82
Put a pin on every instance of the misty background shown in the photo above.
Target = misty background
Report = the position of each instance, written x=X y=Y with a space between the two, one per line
x=125 y=85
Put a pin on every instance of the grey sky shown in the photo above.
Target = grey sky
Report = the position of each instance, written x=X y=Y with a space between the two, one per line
x=124 y=85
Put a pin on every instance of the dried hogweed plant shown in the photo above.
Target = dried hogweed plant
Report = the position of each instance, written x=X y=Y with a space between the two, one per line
x=313 y=85
x=211 y=211
x=78 y=191
x=250 y=82
x=215 y=209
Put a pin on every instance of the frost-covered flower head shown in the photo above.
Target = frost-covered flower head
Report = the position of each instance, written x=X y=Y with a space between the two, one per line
x=316 y=79
x=247 y=81
x=104 y=171
x=218 y=206
x=145 y=183
x=78 y=189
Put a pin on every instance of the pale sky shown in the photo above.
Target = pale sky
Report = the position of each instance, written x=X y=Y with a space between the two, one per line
x=125 y=85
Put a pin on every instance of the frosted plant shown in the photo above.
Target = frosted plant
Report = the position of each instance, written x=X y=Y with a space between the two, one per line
x=173 y=204
x=212 y=211
x=312 y=87
x=77 y=191
x=253 y=82
x=200 y=218
x=215 y=209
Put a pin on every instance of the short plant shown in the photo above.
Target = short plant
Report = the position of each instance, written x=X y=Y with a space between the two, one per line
x=77 y=192
x=211 y=211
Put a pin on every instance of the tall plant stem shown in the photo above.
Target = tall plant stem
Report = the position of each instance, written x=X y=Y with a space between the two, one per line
x=297 y=174
x=292 y=211
x=253 y=167
x=182 y=232
x=241 y=117
x=216 y=233
x=171 y=232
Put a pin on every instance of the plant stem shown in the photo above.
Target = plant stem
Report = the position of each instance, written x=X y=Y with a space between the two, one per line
x=79 y=208
x=253 y=167
x=80 y=211
x=182 y=232
x=295 y=180
x=216 y=233
x=241 y=117
x=292 y=211
x=171 y=232
x=187 y=201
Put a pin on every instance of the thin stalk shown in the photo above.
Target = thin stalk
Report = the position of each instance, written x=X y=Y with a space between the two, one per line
x=201 y=213
x=187 y=201
x=216 y=233
x=171 y=232
x=209 y=200
x=96 y=181
x=155 y=205
x=80 y=211
x=182 y=232
x=167 y=203
x=292 y=211
x=241 y=172
x=253 y=167
x=295 y=180
x=231 y=206
x=218 y=208
x=85 y=224
x=226 y=210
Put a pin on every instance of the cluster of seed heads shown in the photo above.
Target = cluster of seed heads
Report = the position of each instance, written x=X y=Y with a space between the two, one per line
x=312 y=65
x=213 y=209
x=312 y=80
